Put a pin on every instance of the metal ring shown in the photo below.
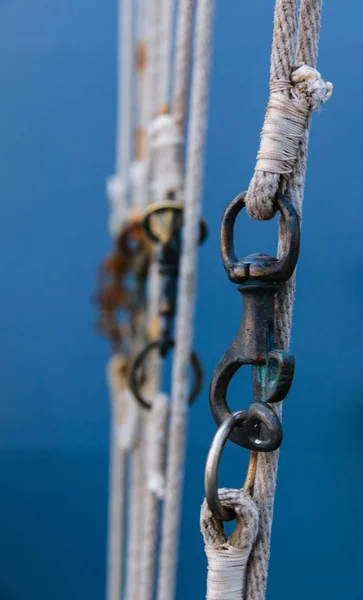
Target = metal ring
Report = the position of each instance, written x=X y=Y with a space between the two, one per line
x=258 y=412
x=164 y=206
x=134 y=378
x=260 y=266
x=212 y=467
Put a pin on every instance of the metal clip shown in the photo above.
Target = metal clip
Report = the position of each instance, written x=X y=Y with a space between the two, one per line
x=260 y=277
x=168 y=235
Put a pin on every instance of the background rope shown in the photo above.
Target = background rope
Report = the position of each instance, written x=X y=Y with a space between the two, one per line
x=186 y=301
x=155 y=467
x=163 y=175
x=117 y=187
x=148 y=70
x=265 y=481
x=182 y=62
x=166 y=48
x=116 y=499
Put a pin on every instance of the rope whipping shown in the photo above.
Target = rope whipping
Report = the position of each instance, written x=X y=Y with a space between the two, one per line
x=228 y=557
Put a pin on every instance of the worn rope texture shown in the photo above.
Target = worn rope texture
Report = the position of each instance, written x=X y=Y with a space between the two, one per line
x=228 y=558
x=150 y=104
x=117 y=185
x=294 y=93
x=135 y=516
x=155 y=467
x=166 y=49
x=123 y=438
x=186 y=301
x=116 y=498
x=117 y=189
x=182 y=62
x=138 y=169
x=266 y=473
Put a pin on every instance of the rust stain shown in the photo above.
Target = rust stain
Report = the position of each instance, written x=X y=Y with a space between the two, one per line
x=140 y=143
x=141 y=57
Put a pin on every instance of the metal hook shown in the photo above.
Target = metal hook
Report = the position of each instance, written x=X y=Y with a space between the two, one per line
x=167 y=206
x=169 y=239
x=168 y=236
x=260 y=277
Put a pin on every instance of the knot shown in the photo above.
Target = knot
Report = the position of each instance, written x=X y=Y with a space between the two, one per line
x=309 y=88
x=166 y=158
x=286 y=120
x=116 y=192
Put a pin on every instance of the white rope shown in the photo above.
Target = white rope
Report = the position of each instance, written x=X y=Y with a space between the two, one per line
x=282 y=58
x=166 y=37
x=228 y=558
x=166 y=146
x=186 y=301
x=138 y=170
x=117 y=189
x=117 y=185
x=135 y=516
x=116 y=487
x=123 y=436
x=143 y=503
x=155 y=467
x=182 y=62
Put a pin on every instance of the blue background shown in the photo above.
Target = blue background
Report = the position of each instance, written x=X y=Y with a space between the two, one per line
x=57 y=122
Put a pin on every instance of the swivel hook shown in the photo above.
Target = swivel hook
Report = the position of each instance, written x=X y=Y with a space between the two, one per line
x=260 y=277
x=167 y=235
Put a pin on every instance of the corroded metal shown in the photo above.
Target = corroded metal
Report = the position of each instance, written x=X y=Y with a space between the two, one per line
x=212 y=465
x=119 y=296
x=163 y=223
x=259 y=276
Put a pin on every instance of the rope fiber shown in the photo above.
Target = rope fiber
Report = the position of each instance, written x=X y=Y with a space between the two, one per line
x=281 y=59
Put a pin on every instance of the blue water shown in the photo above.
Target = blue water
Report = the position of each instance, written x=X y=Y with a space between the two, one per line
x=57 y=119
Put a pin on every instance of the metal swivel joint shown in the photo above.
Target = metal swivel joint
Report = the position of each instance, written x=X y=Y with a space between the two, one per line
x=259 y=277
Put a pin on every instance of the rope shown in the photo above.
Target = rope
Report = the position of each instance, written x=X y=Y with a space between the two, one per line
x=282 y=57
x=117 y=190
x=135 y=516
x=165 y=52
x=294 y=93
x=227 y=558
x=116 y=486
x=186 y=300
x=182 y=61
x=155 y=168
x=166 y=146
x=123 y=437
x=117 y=185
x=155 y=465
